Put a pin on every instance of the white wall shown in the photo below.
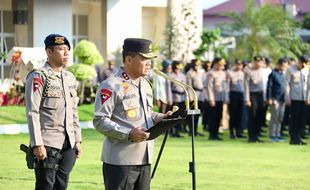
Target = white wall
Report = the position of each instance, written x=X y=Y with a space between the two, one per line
x=154 y=24
x=124 y=20
x=51 y=16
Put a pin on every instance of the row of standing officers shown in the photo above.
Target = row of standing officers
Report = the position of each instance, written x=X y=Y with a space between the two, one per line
x=252 y=84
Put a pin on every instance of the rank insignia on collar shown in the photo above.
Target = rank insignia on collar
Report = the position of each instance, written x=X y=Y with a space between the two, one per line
x=59 y=40
x=105 y=95
x=125 y=76
x=37 y=83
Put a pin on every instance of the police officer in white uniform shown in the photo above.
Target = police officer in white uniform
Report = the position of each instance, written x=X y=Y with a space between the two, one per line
x=254 y=98
x=123 y=112
x=297 y=78
x=51 y=109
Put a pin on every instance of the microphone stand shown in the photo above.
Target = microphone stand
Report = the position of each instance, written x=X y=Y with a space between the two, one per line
x=193 y=112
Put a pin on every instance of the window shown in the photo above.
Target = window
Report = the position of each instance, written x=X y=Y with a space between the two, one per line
x=80 y=28
x=7 y=32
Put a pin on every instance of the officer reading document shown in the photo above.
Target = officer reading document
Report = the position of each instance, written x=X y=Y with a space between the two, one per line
x=123 y=113
x=51 y=109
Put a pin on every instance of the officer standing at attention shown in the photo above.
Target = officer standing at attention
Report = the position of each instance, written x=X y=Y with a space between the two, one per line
x=194 y=78
x=123 y=111
x=297 y=77
x=217 y=94
x=178 y=95
x=236 y=99
x=254 y=98
x=51 y=109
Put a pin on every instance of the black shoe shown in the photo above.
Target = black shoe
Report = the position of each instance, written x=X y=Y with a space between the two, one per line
x=178 y=135
x=297 y=143
x=215 y=138
x=199 y=134
x=232 y=136
x=241 y=136
x=304 y=137
x=252 y=141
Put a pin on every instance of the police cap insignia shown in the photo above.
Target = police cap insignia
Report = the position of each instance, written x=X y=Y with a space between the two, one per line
x=59 y=40
x=105 y=95
x=140 y=46
x=56 y=39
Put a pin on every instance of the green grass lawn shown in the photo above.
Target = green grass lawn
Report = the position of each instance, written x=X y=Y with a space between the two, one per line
x=227 y=165
x=17 y=114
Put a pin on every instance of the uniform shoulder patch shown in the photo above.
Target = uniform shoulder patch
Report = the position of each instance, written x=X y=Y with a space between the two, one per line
x=105 y=95
x=37 y=83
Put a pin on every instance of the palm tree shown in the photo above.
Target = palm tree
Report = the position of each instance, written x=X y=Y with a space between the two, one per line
x=266 y=30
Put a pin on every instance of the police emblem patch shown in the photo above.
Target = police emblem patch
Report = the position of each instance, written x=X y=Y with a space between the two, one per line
x=37 y=83
x=59 y=40
x=105 y=95
x=131 y=113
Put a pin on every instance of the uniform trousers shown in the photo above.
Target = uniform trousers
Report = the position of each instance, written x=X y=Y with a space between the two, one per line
x=215 y=118
x=164 y=107
x=126 y=177
x=178 y=128
x=255 y=115
x=277 y=114
x=205 y=115
x=235 y=106
x=196 y=119
x=52 y=173
x=298 y=120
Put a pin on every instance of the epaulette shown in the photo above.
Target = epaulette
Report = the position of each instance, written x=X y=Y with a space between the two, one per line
x=41 y=71
x=150 y=83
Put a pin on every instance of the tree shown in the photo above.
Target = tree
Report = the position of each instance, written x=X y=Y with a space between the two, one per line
x=87 y=55
x=208 y=44
x=306 y=22
x=266 y=30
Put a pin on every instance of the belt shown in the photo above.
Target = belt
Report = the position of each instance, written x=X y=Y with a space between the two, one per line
x=176 y=92
x=197 y=89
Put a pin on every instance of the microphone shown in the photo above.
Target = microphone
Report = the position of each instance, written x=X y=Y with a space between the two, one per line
x=183 y=86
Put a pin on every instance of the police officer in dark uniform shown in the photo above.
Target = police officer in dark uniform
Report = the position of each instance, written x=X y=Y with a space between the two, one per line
x=51 y=109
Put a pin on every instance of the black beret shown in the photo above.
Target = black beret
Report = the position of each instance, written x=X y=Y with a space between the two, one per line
x=139 y=45
x=56 y=39
x=304 y=59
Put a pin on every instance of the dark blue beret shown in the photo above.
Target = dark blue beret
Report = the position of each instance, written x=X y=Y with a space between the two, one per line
x=139 y=45
x=56 y=39
x=304 y=58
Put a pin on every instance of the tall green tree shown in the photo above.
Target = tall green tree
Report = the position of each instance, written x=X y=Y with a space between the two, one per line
x=266 y=30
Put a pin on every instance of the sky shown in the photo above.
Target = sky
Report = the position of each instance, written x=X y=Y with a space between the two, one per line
x=211 y=3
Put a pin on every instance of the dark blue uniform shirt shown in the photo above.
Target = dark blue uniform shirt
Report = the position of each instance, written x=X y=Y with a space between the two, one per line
x=276 y=86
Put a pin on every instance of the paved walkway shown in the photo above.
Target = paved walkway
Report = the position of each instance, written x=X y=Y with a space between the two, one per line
x=23 y=128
